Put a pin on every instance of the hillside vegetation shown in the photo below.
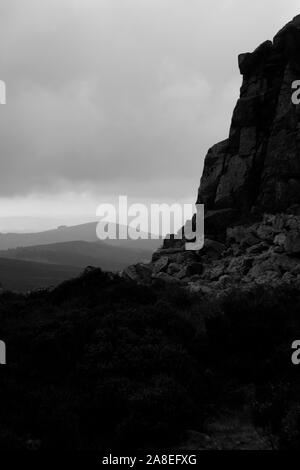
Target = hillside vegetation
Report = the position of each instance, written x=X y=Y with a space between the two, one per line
x=100 y=362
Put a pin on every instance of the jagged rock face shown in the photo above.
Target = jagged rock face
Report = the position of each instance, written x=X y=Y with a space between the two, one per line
x=257 y=169
x=250 y=186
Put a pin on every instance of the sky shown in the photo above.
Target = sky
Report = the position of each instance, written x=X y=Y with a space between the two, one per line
x=118 y=97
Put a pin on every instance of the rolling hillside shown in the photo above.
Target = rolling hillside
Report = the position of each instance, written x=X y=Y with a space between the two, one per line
x=23 y=276
x=83 y=232
x=33 y=260
x=79 y=253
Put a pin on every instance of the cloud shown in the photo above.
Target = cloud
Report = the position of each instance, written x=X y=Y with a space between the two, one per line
x=121 y=96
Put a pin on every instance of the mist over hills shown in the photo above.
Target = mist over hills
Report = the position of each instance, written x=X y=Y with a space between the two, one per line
x=84 y=232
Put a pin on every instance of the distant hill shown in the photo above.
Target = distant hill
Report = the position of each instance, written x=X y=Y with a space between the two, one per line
x=83 y=232
x=23 y=276
x=81 y=254
x=49 y=257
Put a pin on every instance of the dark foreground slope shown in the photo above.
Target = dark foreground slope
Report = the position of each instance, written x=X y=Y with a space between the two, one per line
x=102 y=362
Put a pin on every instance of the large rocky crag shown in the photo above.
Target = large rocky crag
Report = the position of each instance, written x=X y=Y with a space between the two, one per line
x=250 y=185
x=257 y=169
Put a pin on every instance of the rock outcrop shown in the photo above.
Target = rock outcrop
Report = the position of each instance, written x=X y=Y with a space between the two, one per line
x=250 y=185
x=257 y=169
x=264 y=252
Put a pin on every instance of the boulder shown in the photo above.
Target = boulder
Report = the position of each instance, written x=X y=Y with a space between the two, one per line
x=266 y=233
x=268 y=277
x=165 y=278
x=140 y=273
x=173 y=268
x=194 y=269
x=262 y=266
x=160 y=265
x=197 y=288
x=288 y=278
x=225 y=281
x=213 y=273
x=240 y=266
x=292 y=243
x=249 y=240
x=169 y=252
x=280 y=239
x=257 y=249
x=213 y=248
x=235 y=234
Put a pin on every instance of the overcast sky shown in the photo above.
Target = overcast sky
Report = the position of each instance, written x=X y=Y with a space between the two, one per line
x=109 y=97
